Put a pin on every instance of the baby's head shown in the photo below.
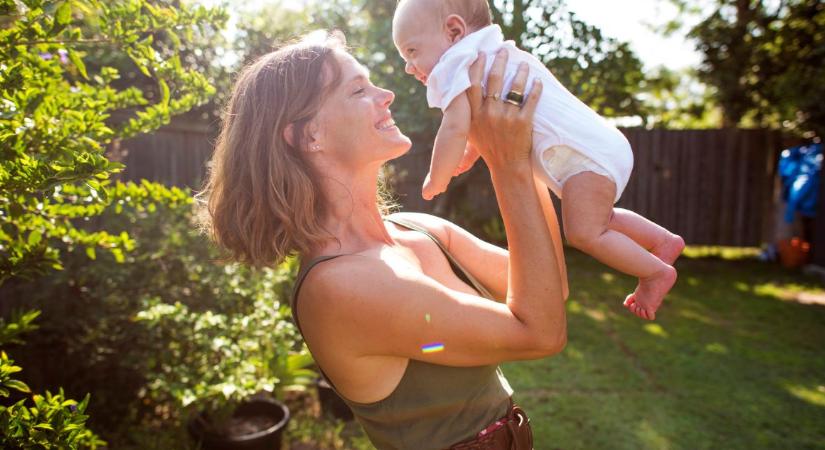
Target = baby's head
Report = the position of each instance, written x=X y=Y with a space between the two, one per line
x=424 y=29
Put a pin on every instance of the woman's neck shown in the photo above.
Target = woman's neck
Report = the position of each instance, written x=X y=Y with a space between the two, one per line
x=353 y=216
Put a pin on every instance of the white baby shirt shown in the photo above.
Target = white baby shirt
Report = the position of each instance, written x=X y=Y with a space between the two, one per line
x=561 y=118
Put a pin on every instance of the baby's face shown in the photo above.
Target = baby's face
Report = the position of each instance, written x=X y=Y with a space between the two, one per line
x=420 y=40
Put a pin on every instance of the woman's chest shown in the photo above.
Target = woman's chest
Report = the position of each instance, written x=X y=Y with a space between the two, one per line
x=421 y=255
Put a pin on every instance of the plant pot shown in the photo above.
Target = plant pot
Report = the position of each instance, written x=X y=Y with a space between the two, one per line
x=331 y=402
x=793 y=252
x=259 y=425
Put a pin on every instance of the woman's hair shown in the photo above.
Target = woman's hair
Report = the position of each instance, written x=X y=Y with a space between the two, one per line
x=262 y=200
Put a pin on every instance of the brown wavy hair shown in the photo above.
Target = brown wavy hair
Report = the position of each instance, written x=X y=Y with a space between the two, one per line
x=262 y=200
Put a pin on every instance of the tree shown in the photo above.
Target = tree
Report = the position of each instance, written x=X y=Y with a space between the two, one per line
x=57 y=117
x=677 y=100
x=764 y=60
x=601 y=71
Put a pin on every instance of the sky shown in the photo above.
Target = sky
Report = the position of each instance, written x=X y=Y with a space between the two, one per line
x=629 y=20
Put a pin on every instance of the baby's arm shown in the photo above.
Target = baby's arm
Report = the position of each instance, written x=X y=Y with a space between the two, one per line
x=449 y=146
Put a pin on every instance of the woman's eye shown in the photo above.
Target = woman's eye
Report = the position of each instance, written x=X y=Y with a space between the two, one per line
x=359 y=91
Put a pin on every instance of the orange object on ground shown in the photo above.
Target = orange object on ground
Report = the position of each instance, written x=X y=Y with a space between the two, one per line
x=794 y=252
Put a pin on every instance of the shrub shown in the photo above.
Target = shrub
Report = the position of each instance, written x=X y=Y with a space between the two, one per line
x=53 y=421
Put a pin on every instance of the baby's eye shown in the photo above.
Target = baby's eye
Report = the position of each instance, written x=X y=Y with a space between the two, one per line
x=410 y=51
x=359 y=91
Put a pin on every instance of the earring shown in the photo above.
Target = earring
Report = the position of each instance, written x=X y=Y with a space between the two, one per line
x=315 y=147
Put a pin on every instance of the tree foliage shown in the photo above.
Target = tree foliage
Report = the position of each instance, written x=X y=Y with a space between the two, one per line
x=764 y=60
x=677 y=100
x=601 y=71
x=57 y=116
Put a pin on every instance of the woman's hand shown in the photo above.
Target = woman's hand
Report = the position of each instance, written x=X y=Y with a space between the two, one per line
x=500 y=131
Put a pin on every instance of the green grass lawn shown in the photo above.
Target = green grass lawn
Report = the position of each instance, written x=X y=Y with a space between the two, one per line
x=732 y=361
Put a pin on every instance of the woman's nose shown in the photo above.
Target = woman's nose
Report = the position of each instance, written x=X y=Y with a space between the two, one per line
x=387 y=97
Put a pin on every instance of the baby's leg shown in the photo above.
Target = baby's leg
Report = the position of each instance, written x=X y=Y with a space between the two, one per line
x=659 y=241
x=587 y=208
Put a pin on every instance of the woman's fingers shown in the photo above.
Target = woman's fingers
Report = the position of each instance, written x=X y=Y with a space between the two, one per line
x=475 y=92
x=495 y=78
x=532 y=101
x=520 y=79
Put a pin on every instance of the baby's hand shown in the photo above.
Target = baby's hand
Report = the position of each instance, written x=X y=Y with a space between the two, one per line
x=430 y=189
x=470 y=157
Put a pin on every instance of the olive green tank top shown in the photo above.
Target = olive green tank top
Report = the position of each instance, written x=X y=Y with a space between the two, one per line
x=433 y=406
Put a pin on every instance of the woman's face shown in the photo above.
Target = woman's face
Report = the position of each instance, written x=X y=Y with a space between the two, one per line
x=354 y=125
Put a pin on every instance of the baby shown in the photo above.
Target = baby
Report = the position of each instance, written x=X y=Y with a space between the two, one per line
x=584 y=160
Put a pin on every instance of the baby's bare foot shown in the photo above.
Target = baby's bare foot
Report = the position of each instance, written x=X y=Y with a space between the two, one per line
x=650 y=293
x=669 y=249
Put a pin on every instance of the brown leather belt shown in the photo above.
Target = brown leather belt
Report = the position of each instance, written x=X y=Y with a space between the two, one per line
x=511 y=432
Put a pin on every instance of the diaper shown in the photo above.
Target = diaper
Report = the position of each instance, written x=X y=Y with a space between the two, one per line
x=560 y=163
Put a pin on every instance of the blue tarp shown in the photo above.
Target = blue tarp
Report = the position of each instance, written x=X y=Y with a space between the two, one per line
x=799 y=170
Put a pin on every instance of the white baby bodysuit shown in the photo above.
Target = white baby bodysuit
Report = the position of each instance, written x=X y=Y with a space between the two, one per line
x=561 y=119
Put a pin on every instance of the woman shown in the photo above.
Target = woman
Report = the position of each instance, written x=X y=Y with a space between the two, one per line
x=408 y=316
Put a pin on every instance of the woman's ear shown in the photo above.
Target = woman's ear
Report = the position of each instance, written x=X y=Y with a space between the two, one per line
x=455 y=27
x=289 y=134
x=313 y=137
x=311 y=131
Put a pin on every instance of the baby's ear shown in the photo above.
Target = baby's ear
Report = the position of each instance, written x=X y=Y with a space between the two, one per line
x=455 y=27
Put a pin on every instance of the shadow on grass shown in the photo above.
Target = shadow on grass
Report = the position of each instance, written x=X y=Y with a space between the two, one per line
x=730 y=363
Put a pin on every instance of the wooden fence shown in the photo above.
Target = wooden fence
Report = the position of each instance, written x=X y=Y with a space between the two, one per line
x=175 y=155
x=713 y=187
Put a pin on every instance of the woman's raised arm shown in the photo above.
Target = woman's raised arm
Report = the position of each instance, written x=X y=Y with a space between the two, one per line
x=502 y=133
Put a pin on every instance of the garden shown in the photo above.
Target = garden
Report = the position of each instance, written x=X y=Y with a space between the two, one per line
x=123 y=327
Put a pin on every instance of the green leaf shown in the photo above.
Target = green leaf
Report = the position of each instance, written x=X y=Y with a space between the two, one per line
x=62 y=17
x=18 y=385
x=35 y=237
x=118 y=254
x=64 y=13
x=90 y=252
x=164 y=92
x=78 y=62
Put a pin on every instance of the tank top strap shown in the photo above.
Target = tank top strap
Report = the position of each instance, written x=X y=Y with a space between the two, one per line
x=299 y=280
x=459 y=270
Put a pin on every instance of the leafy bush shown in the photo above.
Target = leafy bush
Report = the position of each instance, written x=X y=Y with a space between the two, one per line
x=211 y=362
x=166 y=330
x=54 y=421
x=56 y=117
